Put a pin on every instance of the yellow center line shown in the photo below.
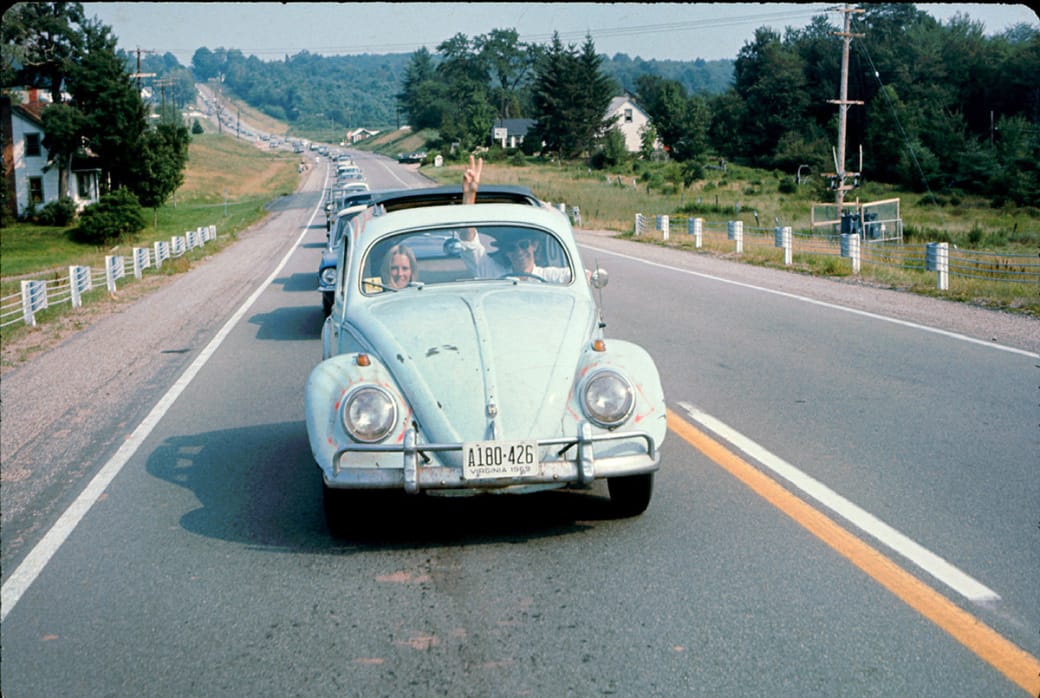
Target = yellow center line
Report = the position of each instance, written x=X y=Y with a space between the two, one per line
x=1017 y=665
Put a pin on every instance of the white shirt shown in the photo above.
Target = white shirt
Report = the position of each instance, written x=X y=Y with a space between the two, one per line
x=483 y=266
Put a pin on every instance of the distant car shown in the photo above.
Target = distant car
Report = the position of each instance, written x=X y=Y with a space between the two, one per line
x=463 y=383
x=344 y=196
x=411 y=158
x=331 y=253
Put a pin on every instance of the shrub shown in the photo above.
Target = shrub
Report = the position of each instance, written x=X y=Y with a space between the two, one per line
x=57 y=213
x=975 y=235
x=787 y=186
x=530 y=146
x=196 y=128
x=117 y=215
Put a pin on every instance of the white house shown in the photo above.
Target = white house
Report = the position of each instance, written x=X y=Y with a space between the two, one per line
x=360 y=134
x=510 y=133
x=30 y=178
x=630 y=120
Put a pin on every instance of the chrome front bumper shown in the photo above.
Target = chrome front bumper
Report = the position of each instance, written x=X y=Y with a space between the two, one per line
x=415 y=476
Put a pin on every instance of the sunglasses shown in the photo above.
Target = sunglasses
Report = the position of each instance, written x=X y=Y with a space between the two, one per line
x=520 y=245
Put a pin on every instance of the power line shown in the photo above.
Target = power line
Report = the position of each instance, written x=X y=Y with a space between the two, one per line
x=806 y=12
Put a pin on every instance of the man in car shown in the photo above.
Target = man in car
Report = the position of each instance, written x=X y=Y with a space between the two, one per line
x=520 y=252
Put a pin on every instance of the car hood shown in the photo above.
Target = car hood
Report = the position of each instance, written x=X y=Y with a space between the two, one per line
x=497 y=363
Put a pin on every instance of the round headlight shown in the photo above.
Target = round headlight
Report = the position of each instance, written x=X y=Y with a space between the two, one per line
x=328 y=276
x=369 y=414
x=608 y=398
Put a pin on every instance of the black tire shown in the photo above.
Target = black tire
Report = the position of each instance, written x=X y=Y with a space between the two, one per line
x=630 y=495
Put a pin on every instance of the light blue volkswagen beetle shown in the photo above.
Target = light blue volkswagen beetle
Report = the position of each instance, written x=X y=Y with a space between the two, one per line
x=477 y=374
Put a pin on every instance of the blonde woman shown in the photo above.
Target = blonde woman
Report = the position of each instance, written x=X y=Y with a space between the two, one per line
x=399 y=267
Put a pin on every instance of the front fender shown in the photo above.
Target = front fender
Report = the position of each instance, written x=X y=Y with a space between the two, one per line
x=631 y=360
x=328 y=384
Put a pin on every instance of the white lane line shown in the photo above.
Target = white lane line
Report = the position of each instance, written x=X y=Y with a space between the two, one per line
x=823 y=304
x=939 y=568
x=31 y=567
x=390 y=171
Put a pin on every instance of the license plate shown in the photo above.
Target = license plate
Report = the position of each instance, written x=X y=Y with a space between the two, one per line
x=482 y=460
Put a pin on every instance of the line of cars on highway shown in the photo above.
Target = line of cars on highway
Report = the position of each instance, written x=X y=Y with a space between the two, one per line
x=463 y=353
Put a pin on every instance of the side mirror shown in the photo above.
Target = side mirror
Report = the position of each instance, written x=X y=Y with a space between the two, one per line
x=599 y=278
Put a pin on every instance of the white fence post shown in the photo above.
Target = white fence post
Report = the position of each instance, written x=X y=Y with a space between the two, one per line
x=663 y=226
x=937 y=259
x=782 y=238
x=34 y=299
x=162 y=251
x=850 y=248
x=115 y=268
x=735 y=232
x=142 y=260
x=176 y=246
x=79 y=281
x=695 y=227
x=639 y=224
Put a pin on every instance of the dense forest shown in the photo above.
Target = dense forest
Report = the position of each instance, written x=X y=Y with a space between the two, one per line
x=944 y=106
x=311 y=91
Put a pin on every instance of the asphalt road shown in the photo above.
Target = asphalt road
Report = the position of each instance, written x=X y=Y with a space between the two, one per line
x=203 y=567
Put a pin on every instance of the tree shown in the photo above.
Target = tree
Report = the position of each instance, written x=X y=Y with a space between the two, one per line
x=612 y=151
x=681 y=122
x=594 y=90
x=1018 y=156
x=468 y=115
x=554 y=76
x=770 y=78
x=509 y=61
x=63 y=128
x=422 y=97
x=114 y=115
x=206 y=64
x=160 y=168
x=571 y=95
x=884 y=142
x=44 y=39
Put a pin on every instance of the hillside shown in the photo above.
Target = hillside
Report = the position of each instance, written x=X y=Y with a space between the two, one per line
x=316 y=94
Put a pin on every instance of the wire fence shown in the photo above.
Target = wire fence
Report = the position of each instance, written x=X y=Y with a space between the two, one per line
x=56 y=287
x=943 y=259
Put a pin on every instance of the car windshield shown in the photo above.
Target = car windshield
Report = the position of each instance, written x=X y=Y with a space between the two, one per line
x=446 y=255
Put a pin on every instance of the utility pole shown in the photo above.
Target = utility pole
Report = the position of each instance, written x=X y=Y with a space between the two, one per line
x=162 y=85
x=843 y=106
x=138 y=75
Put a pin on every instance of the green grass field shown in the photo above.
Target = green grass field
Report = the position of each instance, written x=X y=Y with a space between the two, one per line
x=969 y=222
x=250 y=177
x=227 y=184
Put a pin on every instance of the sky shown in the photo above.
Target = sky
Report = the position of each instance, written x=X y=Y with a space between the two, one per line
x=663 y=31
